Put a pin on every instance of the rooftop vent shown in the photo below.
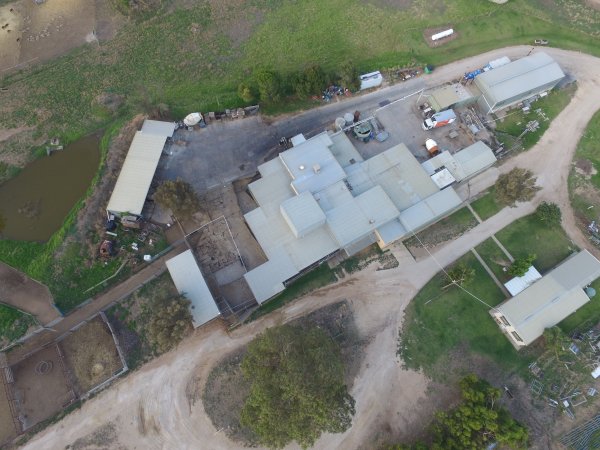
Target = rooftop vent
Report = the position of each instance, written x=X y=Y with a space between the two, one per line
x=301 y=167
x=317 y=168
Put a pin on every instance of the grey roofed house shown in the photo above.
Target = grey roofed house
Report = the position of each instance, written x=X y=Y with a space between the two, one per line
x=189 y=282
x=547 y=301
x=137 y=172
x=517 y=81
x=321 y=197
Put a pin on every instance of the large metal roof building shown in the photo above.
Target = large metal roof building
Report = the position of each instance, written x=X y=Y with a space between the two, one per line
x=131 y=188
x=548 y=300
x=321 y=196
x=517 y=81
x=189 y=282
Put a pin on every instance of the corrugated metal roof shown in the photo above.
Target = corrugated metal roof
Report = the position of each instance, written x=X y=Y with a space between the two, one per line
x=518 y=77
x=302 y=213
x=390 y=232
x=430 y=209
x=136 y=174
x=266 y=280
x=311 y=165
x=552 y=298
x=446 y=96
x=475 y=158
x=158 y=128
x=355 y=219
x=519 y=284
x=189 y=282
x=400 y=175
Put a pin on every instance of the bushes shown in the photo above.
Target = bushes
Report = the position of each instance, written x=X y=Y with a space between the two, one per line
x=271 y=86
x=548 y=213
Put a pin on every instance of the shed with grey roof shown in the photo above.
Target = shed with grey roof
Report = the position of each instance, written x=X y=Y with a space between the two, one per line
x=517 y=81
x=190 y=283
x=548 y=300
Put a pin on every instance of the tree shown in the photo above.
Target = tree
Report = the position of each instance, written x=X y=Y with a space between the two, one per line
x=311 y=81
x=246 y=92
x=477 y=421
x=518 y=185
x=520 y=266
x=460 y=275
x=169 y=322
x=297 y=387
x=179 y=197
x=349 y=76
x=269 y=85
x=549 y=213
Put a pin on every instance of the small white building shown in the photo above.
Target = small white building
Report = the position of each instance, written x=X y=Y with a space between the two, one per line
x=190 y=283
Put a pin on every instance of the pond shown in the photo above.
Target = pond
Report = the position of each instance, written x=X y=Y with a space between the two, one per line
x=34 y=204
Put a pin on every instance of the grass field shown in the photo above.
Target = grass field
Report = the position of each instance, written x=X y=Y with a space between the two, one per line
x=514 y=123
x=525 y=236
x=13 y=324
x=486 y=206
x=438 y=321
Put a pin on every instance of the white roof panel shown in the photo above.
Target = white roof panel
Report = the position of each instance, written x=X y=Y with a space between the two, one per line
x=475 y=158
x=266 y=280
x=158 y=128
x=189 y=282
x=302 y=213
x=136 y=174
x=519 y=284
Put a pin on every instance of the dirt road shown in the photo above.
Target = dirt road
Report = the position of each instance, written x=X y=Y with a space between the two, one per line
x=150 y=409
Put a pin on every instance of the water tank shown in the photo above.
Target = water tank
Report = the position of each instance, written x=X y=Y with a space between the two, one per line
x=442 y=34
x=349 y=118
x=340 y=123
x=590 y=291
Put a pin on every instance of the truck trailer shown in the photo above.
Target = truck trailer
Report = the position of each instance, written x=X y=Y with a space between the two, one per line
x=439 y=119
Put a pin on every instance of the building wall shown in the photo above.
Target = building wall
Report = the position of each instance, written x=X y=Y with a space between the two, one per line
x=516 y=99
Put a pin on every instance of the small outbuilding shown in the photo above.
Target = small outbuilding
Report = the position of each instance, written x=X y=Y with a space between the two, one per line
x=547 y=301
x=189 y=282
x=517 y=81
x=450 y=96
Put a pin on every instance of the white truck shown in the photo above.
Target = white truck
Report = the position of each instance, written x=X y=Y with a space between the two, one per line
x=439 y=119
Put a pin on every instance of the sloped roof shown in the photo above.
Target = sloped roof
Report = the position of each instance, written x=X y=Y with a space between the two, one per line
x=189 y=282
x=158 y=127
x=552 y=298
x=131 y=189
x=302 y=213
x=475 y=158
x=518 y=77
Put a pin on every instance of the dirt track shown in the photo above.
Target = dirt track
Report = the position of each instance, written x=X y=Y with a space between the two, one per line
x=150 y=408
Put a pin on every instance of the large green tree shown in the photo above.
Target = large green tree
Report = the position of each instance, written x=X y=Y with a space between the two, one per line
x=297 y=387
x=269 y=85
x=179 y=196
x=169 y=322
x=520 y=266
x=518 y=185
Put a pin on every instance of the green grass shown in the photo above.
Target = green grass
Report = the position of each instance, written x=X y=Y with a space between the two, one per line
x=515 y=121
x=527 y=235
x=438 y=321
x=486 y=206
x=589 y=149
x=522 y=237
x=315 y=279
x=13 y=323
x=585 y=317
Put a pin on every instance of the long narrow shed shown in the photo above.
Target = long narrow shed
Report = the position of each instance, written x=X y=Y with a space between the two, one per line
x=189 y=282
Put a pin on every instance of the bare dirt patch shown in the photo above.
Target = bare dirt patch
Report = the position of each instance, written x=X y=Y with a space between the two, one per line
x=226 y=389
x=428 y=32
x=91 y=355
x=593 y=4
x=41 y=387
x=585 y=168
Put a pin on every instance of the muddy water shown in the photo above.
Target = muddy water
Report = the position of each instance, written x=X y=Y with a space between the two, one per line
x=34 y=204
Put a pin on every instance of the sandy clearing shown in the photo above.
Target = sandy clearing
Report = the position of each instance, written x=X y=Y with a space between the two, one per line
x=384 y=392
